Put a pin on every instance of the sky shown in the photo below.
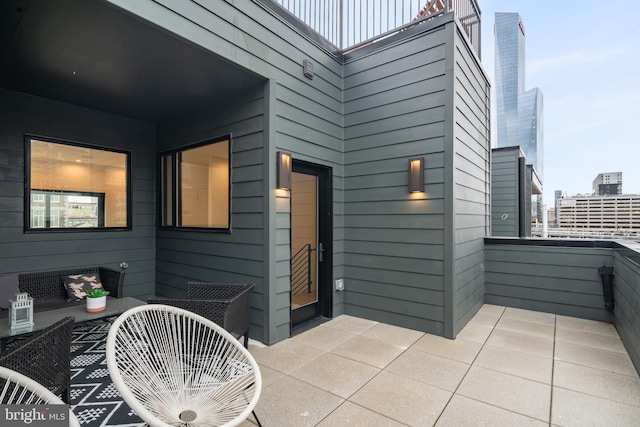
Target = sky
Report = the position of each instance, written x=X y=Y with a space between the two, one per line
x=585 y=58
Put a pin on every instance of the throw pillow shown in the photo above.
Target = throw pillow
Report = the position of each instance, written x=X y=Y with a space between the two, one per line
x=77 y=285
x=8 y=289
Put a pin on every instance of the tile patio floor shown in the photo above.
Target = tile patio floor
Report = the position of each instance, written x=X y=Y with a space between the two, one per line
x=508 y=367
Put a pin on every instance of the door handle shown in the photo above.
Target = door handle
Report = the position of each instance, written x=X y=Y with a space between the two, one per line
x=320 y=252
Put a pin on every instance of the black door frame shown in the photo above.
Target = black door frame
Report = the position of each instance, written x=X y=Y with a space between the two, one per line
x=325 y=236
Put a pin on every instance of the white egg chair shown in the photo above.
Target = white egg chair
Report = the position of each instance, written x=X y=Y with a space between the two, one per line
x=18 y=389
x=176 y=368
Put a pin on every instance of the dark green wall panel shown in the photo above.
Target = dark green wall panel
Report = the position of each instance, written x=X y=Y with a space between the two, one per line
x=561 y=280
x=627 y=301
x=20 y=252
x=505 y=208
x=470 y=154
x=221 y=257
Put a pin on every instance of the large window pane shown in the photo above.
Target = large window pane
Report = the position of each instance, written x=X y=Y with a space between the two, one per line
x=200 y=197
x=75 y=187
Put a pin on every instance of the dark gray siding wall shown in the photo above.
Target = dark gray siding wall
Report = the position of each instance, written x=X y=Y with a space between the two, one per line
x=394 y=103
x=560 y=280
x=528 y=192
x=627 y=302
x=236 y=257
x=308 y=123
x=20 y=252
x=505 y=192
x=471 y=159
x=304 y=117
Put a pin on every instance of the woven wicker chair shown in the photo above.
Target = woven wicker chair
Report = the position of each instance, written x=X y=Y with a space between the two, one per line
x=226 y=304
x=44 y=356
x=17 y=389
x=174 y=367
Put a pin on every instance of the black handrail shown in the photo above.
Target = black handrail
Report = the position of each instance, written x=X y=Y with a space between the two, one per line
x=301 y=270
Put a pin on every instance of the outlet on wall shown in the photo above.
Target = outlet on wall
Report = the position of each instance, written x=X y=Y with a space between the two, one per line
x=339 y=284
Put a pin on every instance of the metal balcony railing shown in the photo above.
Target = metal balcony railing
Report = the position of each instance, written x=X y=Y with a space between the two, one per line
x=349 y=24
x=301 y=270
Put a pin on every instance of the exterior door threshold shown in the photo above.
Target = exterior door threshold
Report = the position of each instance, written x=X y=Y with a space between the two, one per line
x=303 y=327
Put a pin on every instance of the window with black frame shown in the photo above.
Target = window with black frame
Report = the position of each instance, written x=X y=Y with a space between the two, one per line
x=196 y=186
x=72 y=187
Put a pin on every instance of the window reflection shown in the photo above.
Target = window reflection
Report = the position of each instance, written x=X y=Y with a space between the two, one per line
x=197 y=190
x=72 y=187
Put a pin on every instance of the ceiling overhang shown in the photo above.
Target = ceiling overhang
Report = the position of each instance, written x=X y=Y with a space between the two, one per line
x=90 y=53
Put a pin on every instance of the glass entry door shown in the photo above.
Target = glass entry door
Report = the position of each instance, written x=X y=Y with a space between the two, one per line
x=310 y=242
x=304 y=240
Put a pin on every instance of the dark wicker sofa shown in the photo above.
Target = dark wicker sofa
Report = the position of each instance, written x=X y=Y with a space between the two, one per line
x=47 y=287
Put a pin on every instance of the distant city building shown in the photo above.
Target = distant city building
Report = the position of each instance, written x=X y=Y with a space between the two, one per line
x=66 y=210
x=553 y=216
x=519 y=111
x=617 y=213
x=607 y=184
x=605 y=212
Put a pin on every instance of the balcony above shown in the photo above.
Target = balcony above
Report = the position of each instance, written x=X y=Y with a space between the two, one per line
x=346 y=25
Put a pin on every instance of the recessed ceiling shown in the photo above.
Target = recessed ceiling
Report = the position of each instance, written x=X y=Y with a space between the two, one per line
x=88 y=53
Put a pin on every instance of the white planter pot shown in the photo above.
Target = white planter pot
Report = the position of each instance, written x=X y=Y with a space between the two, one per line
x=94 y=305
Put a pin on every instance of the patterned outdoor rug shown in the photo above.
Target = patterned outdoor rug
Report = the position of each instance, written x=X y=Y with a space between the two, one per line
x=94 y=399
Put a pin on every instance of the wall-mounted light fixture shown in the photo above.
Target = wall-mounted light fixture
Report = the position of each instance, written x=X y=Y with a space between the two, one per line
x=416 y=175
x=283 y=170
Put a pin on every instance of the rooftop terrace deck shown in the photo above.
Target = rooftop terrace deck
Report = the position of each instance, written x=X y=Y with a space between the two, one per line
x=507 y=367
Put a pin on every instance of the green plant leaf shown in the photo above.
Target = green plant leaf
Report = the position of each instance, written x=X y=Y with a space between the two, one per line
x=97 y=293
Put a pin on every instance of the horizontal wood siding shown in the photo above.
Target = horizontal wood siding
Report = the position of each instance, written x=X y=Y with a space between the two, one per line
x=471 y=173
x=504 y=193
x=527 y=189
x=560 y=280
x=236 y=257
x=20 y=252
x=394 y=106
x=282 y=266
x=305 y=120
x=627 y=302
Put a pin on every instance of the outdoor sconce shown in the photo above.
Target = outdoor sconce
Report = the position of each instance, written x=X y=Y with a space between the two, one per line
x=416 y=175
x=21 y=314
x=283 y=170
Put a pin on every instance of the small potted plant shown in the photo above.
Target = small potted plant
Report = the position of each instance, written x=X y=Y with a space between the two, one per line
x=96 y=300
